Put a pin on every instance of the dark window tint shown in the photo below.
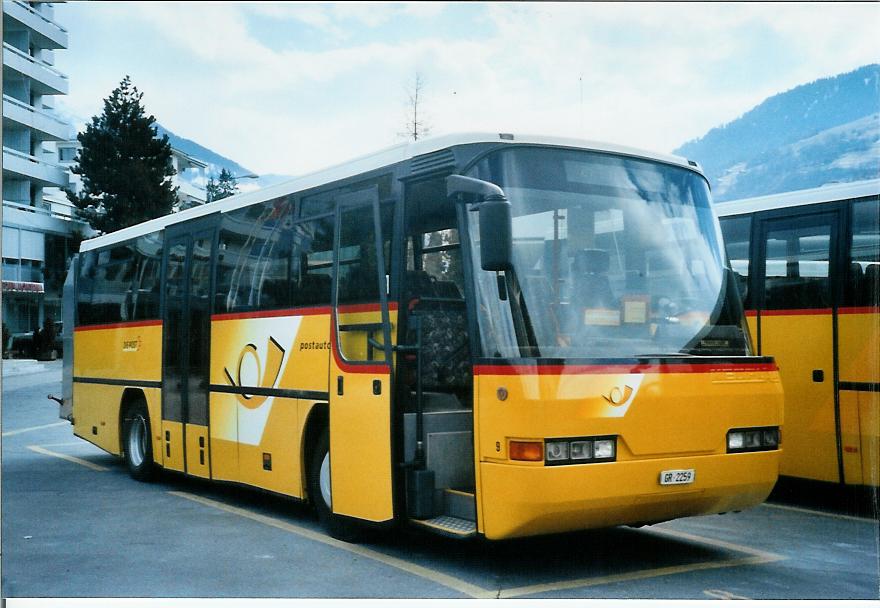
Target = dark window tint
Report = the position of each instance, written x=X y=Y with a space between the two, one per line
x=312 y=263
x=143 y=298
x=737 y=231
x=324 y=202
x=358 y=278
x=113 y=275
x=84 y=286
x=436 y=270
x=863 y=275
x=253 y=270
x=796 y=274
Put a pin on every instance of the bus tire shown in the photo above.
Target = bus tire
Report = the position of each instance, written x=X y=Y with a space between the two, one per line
x=321 y=498
x=137 y=446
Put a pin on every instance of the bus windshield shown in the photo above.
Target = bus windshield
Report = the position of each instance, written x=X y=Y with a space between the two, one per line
x=613 y=257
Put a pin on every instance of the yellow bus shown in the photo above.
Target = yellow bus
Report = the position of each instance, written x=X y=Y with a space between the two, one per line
x=489 y=335
x=809 y=267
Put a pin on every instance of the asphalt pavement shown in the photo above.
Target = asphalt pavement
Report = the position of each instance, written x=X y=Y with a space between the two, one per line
x=74 y=524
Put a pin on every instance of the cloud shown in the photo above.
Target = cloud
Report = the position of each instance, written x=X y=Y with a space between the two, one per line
x=644 y=74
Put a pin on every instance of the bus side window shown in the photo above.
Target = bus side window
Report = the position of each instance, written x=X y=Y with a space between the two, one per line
x=253 y=260
x=85 y=286
x=312 y=262
x=147 y=281
x=797 y=263
x=863 y=280
x=737 y=233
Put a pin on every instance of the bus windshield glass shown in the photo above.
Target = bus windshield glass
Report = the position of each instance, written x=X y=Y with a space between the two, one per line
x=613 y=257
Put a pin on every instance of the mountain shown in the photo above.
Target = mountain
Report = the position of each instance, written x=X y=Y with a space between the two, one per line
x=202 y=153
x=217 y=162
x=821 y=132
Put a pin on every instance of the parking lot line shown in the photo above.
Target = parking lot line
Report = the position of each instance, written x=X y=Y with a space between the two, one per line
x=41 y=450
x=823 y=513
x=628 y=576
x=753 y=556
x=34 y=428
x=764 y=555
x=445 y=580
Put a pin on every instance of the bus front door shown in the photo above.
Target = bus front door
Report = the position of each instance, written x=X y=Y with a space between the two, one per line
x=360 y=366
x=187 y=345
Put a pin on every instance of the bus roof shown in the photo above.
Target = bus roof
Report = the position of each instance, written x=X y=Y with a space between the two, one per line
x=823 y=194
x=362 y=164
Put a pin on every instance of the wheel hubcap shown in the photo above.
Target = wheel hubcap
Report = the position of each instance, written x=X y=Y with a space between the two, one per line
x=324 y=480
x=137 y=440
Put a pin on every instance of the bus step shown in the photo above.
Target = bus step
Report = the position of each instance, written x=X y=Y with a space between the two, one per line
x=459 y=504
x=453 y=527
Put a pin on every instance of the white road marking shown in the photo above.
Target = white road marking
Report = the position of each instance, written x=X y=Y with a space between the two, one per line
x=91 y=465
x=34 y=428
x=822 y=513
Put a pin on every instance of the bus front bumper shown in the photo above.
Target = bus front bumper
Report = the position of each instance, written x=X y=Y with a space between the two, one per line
x=522 y=500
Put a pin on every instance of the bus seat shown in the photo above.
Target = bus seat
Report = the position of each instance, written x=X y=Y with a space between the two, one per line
x=419 y=284
x=447 y=289
x=445 y=346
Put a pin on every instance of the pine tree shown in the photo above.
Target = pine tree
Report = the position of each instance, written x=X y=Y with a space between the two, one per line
x=225 y=185
x=126 y=170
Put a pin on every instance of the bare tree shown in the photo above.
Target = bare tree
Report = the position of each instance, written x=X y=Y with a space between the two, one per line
x=416 y=125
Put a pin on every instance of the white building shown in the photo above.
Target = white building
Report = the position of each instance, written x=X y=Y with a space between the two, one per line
x=36 y=233
x=190 y=175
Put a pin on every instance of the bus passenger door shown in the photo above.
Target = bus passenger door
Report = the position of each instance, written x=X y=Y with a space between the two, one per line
x=186 y=348
x=360 y=368
x=796 y=306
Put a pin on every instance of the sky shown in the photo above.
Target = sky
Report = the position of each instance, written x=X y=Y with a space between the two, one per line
x=288 y=88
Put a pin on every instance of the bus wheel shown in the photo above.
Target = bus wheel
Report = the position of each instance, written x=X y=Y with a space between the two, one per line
x=137 y=447
x=321 y=497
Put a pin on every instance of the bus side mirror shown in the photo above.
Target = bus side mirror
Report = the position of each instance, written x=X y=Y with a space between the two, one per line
x=496 y=220
x=496 y=230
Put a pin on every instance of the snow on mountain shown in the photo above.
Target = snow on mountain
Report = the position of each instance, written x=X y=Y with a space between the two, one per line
x=817 y=133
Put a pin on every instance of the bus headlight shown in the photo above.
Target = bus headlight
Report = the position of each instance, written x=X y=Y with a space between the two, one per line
x=758 y=439
x=603 y=448
x=556 y=450
x=579 y=450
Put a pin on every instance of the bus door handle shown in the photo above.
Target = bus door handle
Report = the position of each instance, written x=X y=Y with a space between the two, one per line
x=818 y=375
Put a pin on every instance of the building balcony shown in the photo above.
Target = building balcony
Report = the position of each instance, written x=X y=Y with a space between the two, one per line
x=47 y=218
x=17 y=114
x=45 y=80
x=45 y=33
x=18 y=165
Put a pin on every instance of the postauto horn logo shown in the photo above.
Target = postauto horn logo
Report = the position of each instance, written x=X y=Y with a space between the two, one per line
x=249 y=368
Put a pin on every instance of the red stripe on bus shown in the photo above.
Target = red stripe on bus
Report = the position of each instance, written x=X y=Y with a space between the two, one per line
x=122 y=325
x=265 y=314
x=796 y=311
x=859 y=310
x=638 y=368
x=353 y=368
x=751 y=313
x=370 y=307
x=300 y=312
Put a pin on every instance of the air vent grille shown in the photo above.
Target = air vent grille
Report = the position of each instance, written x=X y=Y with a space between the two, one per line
x=435 y=161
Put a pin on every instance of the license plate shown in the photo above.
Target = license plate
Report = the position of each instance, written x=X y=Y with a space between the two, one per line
x=676 y=476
